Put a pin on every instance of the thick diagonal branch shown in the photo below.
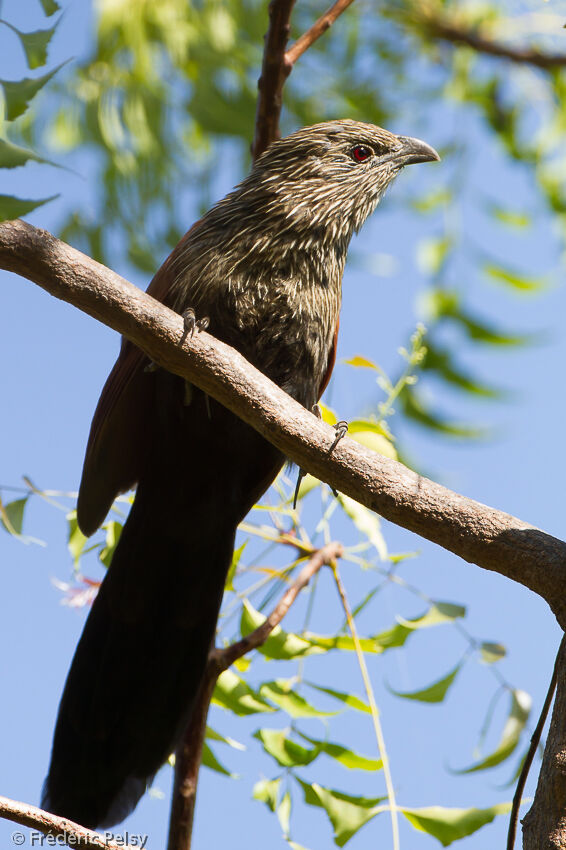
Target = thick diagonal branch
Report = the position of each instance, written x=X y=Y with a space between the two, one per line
x=489 y=538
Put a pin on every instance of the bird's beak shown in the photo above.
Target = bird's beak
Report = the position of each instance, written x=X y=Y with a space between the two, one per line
x=413 y=150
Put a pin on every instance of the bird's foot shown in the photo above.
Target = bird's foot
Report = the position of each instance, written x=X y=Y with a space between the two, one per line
x=341 y=429
x=191 y=323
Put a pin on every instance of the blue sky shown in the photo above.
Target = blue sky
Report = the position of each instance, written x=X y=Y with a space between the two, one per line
x=55 y=360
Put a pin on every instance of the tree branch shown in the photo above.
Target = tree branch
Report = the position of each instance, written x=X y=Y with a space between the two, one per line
x=446 y=30
x=223 y=658
x=274 y=72
x=544 y=826
x=189 y=752
x=487 y=537
x=67 y=831
x=319 y=27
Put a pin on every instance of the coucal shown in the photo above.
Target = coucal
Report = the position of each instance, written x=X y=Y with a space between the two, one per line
x=264 y=265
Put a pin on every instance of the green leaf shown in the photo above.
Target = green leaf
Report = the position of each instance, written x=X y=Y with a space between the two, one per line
x=342 y=642
x=286 y=752
x=415 y=408
x=113 y=531
x=347 y=757
x=209 y=760
x=50 y=7
x=367 y=522
x=433 y=693
x=510 y=217
x=437 y=614
x=279 y=644
x=449 y=825
x=346 y=813
x=284 y=813
x=76 y=541
x=12 y=516
x=234 y=694
x=514 y=279
x=441 y=361
x=518 y=715
x=19 y=94
x=492 y=652
x=35 y=44
x=432 y=254
x=237 y=554
x=213 y=735
x=281 y=693
x=267 y=791
x=12 y=156
x=359 y=361
x=11 y=207
x=348 y=699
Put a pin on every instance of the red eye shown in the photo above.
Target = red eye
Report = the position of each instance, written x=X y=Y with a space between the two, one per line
x=360 y=153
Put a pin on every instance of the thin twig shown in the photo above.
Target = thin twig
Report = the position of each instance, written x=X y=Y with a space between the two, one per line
x=455 y=34
x=274 y=72
x=223 y=658
x=59 y=829
x=320 y=26
x=373 y=708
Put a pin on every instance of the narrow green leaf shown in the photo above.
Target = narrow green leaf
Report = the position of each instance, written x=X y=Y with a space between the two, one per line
x=432 y=254
x=113 y=531
x=234 y=694
x=348 y=699
x=50 y=7
x=367 y=522
x=209 y=760
x=267 y=791
x=359 y=361
x=449 y=825
x=281 y=693
x=279 y=644
x=76 y=541
x=18 y=94
x=433 y=693
x=12 y=516
x=514 y=279
x=237 y=554
x=347 y=814
x=35 y=44
x=213 y=735
x=341 y=642
x=284 y=813
x=347 y=757
x=436 y=615
x=13 y=156
x=514 y=726
x=286 y=752
x=11 y=207
x=492 y=652
x=512 y=218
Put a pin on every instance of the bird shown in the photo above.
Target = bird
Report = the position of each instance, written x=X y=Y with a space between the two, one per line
x=263 y=267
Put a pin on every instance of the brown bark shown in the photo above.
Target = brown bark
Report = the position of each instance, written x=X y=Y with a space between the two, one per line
x=544 y=826
x=487 y=537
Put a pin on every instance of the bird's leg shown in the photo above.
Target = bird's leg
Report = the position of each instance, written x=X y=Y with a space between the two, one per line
x=190 y=323
x=341 y=429
x=301 y=474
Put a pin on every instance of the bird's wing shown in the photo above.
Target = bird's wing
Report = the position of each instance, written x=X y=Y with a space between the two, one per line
x=331 y=361
x=118 y=434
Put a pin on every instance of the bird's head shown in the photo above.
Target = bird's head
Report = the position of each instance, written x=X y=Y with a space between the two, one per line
x=330 y=177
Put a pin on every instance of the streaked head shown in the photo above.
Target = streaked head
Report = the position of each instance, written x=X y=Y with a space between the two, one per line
x=332 y=175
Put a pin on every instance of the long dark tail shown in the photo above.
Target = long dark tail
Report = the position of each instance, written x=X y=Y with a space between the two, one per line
x=140 y=660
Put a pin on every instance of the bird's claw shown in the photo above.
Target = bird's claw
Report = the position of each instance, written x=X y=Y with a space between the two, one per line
x=301 y=474
x=341 y=429
x=191 y=323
